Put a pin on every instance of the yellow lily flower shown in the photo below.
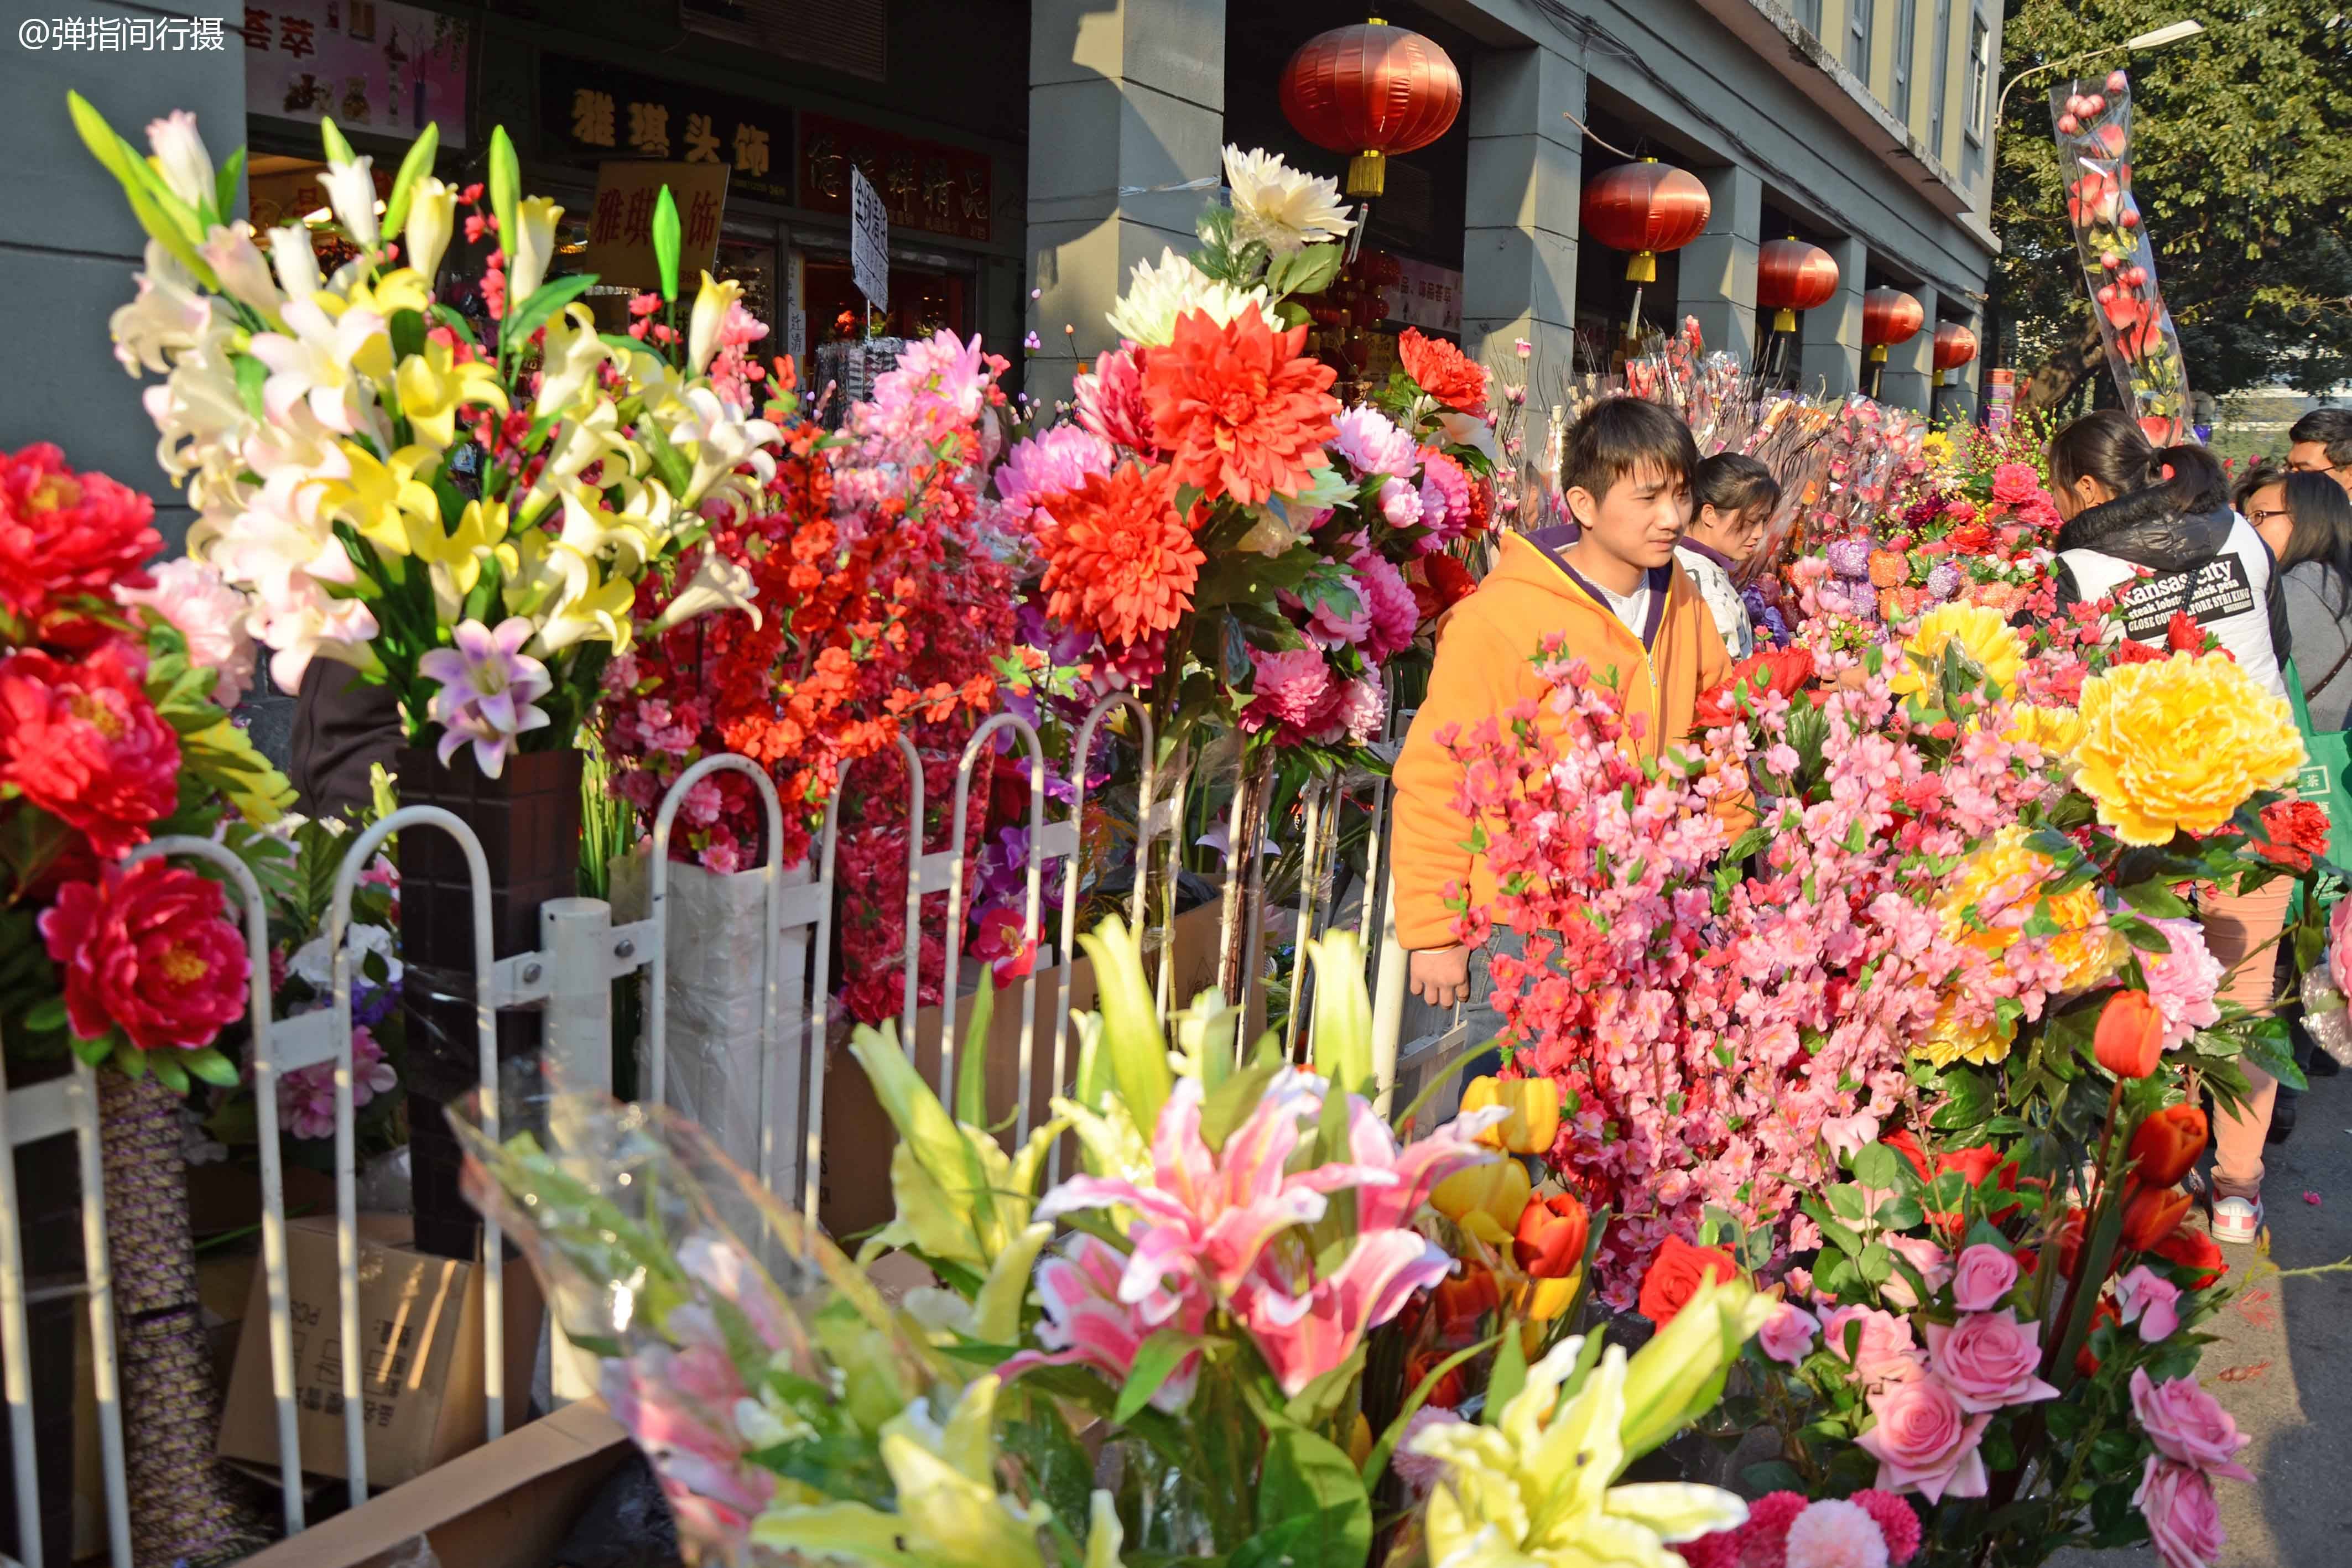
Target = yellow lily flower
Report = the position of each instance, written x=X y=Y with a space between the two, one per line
x=570 y=358
x=710 y=307
x=402 y=288
x=455 y=560
x=432 y=386
x=586 y=606
x=384 y=500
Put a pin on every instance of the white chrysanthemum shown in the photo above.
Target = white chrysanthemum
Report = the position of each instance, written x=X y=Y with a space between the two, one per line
x=1287 y=208
x=1156 y=296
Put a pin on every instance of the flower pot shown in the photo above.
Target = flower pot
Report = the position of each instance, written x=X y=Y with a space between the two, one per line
x=527 y=819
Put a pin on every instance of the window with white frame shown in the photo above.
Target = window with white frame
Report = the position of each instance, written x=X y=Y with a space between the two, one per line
x=1859 y=16
x=1979 y=76
x=1906 y=45
x=1941 y=84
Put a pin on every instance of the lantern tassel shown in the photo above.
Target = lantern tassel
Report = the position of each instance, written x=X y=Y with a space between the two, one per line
x=1368 y=173
x=1784 y=321
x=1643 y=267
x=1355 y=231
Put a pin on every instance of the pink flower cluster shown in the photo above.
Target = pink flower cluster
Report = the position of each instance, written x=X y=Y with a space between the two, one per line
x=2196 y=1441
x=1871 y=1529
x=306 y=1096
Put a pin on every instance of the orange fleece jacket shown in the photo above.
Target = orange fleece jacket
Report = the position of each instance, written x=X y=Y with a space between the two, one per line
x=1485 y=650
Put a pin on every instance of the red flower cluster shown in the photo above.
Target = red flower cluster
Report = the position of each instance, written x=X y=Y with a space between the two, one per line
x=1777 y=671
x=66 y=537
x=80 y=741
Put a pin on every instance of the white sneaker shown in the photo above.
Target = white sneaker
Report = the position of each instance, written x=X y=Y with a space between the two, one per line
x=2237 y=1221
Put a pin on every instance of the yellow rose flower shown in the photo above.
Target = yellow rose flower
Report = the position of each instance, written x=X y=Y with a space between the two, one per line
x=2181 y=745
x=2056 y=730
x=1982 y=633
x=1947 y=1040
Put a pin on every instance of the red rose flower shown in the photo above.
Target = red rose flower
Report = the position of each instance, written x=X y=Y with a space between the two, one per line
x=82 y=741
x=1443 y=371
x=66 y=535
x=1782 y=669
x=2183 y=635
x=149 y=949
x=2297 y=830
x=1238 y=408
x=2193 y=1249
x=2128 y=652
x=1675 y=1275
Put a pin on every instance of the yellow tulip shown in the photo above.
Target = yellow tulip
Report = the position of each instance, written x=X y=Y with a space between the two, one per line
x=1534 y=1104
x=1547 y=1299
x=1484 y=1200
x=433 y=385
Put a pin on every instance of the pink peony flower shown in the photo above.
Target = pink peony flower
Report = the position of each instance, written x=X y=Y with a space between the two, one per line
x=1289 y=689
x=1885 y=1349
x=1399 y=504
x=1935 y=1265
x=1444 y=499
x=1984 y=1275
x=2014 y=484
x=2153 y=1303
x=1788 y=1335
x=2184 y=982
x=208 y=614
x=1371 y=441
x=2184 y=1518
x=150 y=949
x=1056 y=461
x=1832 y=1534
x=306 y=1096
x=1395 y=616
x=1925 y=1441
x=1353 y=712
x=2187 y=1426
x=1988 y=1360
x=1899 y=1524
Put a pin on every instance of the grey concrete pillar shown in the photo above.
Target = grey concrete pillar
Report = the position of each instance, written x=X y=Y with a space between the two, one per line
x=1911 y=367
x=1718 y=268
x=1526 y=164
x=69 y=246
x=1830 y=334
x=1123 y=95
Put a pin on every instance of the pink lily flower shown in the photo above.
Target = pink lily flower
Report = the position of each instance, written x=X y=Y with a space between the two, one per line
x=1087 y=1324
x=1418 y=1166
x=1304 y=1336
x=1206 y=1218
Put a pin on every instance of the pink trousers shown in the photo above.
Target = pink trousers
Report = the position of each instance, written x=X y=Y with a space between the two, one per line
x=2235 y=927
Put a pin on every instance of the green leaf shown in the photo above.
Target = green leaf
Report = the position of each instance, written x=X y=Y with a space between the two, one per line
x=47 y=1014
x=211 y=1066
x=972 y=1067
x=225 y=185
x=1875 y=1262
x=1313 y=269
x=412 y=168
x=1156 y=1361
x=1224 y=1108
x=1508 y=1375
x=1876 y=1165
x=250 y=375
x=2156 y=900
x=544 y=302
x=1308 y=1478
x=665 y=242
x=168 y=1071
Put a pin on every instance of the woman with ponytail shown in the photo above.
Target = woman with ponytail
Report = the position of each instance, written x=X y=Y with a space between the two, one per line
x=2127 y=507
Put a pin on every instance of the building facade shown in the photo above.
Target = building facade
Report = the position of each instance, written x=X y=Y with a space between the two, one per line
x=1862 y=126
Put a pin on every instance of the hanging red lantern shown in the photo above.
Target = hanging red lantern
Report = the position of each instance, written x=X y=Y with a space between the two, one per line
x=1792 y=276
x=1373 y=91
x=1889 y=315
x=1647 y=208
x=1955 y=347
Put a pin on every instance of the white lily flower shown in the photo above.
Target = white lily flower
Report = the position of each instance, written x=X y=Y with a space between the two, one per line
x=572 y=357
x=243 y=270
x=530 y=248
x=722 y=440
x=320 y=358
x=717 y=584
x=710 y=307
x=351 y=191
x=169 y=317
x=199 y=417
x=182 y=159
x=314 y=961
x=296 y=263
x=432 y=218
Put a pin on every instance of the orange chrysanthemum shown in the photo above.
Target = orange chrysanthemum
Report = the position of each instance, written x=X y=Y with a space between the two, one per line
x=1443 y=371
x=1117 y=557
x=1241 y=413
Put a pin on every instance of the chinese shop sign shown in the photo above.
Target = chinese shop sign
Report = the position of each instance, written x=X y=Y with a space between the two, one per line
x=869 y=240
x=1425 y=296
x=621 y=223
x=370 y=63
x=923 y=185
x=593 y=113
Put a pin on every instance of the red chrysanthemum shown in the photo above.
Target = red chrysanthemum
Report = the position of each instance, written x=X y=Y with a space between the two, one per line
x=1117 y=557
x=1443 y=371
x=82 y=741
x=66 y=535
x=1241 y=412
x=2297 y=831
x=149 y=949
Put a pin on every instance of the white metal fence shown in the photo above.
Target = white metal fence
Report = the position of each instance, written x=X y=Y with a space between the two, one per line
x=569 y=978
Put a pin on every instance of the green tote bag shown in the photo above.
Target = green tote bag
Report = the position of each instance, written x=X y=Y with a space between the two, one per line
x=2322 y=781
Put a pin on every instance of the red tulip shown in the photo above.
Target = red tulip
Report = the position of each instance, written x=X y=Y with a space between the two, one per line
x=1551 y=1236
x=1450 y=1388
x=2152 y=1214
x=1462 y=1301
x=2085 y=1362
x=2167 y=1143
x=2129 y=1041
x=2193 y=1249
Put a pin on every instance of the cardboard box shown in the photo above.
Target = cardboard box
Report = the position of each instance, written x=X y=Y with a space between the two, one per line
x=421 y=1356
x=853 y=1182
x=510 y=1505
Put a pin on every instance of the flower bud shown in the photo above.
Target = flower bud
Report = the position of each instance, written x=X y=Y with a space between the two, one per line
x=2167 y=1143
x=2152 y=1214
x=2129 y=1041
x=1548 y=1242
x=1534 y=1104
x=1484 y=1200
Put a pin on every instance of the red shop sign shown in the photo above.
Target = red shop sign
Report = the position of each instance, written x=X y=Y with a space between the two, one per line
x=925 y=185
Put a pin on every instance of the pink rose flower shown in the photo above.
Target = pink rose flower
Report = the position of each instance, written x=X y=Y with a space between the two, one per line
x=1935 y=1265
x=1788 y=1335
x=2154 y=1303
x=1843 y=1134
x=1988 y=1360
x=2184 y=1520
x=1924 y=1441
x=2187 y=1426
x=1885 y=1349
x=1984 y=1275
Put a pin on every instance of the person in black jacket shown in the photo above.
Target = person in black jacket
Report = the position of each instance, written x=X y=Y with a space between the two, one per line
x=2130 y=507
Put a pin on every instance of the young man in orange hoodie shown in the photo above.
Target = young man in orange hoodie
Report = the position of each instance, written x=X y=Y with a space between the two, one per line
x=1609 y=582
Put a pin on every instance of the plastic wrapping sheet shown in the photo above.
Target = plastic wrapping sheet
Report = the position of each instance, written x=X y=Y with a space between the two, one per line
x=2093 y=123
x=717 y=988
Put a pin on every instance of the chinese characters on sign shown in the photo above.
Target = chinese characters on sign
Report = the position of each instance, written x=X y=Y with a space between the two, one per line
x=371 y=63
x=923 y=185
x=620 y=225
x=121 y=35
x=870 y=241
x=1425 y=296
x=598 y=113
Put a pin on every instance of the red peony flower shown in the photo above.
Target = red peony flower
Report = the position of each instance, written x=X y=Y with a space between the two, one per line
x=1970 y=538
x=1240 y=411
x=82 y=741
x=1782 y=669
x=1443 y=372
x=1117 y=557
x=1675 y=1275
x=66 y=535
x=2130 y=651
x=2297 y=830
x=150 y=949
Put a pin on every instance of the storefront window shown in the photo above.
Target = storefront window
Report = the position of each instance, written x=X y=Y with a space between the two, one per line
x=922 y=301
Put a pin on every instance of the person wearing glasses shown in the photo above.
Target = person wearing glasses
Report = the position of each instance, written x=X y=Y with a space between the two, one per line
x=2321 y=443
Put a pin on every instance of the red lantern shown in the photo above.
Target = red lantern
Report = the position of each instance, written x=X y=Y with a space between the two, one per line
x=1646 y=208
x=1889 y=315
x=1373 y=91
x=1955 y=347
x=1792 y=276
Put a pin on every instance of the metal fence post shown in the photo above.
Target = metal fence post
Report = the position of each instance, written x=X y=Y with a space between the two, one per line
x=576 y=935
